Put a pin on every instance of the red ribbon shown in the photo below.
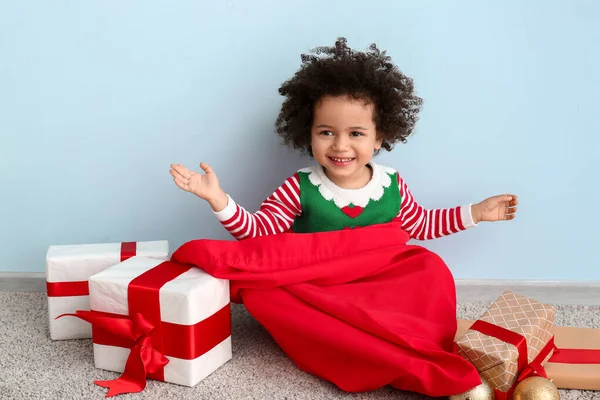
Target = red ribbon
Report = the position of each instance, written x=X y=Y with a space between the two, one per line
x=128 y=250
x=524 y=368
x=80 y=288
x=64 y=289
x=576 y=356
x=143 y=359
x=150 y=339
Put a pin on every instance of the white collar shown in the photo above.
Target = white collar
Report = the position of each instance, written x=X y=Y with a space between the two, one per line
x=342 y=197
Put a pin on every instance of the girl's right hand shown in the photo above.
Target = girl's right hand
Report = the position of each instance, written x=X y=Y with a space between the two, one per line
x=204 y=186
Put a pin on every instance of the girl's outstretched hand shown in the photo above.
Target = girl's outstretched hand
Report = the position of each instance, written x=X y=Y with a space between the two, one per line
x=206 y=186
x=497 y=208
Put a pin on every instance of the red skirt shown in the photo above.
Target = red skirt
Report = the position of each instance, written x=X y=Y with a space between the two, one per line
x=359 y=308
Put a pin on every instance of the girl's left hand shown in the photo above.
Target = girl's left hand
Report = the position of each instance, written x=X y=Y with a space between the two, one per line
x=497 y=208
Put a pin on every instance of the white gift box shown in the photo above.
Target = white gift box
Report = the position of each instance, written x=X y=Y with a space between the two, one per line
x=68 y=268
x=188 y=300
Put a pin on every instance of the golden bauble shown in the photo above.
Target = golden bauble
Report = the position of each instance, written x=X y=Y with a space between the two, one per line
x=536 y=388
x=481 y=392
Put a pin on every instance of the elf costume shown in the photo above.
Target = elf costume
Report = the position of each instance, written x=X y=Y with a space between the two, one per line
x=358 y=307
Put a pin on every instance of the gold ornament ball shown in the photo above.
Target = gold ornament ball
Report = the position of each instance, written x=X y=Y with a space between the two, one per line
x=481 y=392
x=536 y=388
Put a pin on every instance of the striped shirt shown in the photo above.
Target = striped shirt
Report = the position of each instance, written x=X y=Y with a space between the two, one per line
x=277 y=212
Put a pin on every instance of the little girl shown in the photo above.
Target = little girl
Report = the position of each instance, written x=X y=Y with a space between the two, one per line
x=358 y=307
x=342 y=109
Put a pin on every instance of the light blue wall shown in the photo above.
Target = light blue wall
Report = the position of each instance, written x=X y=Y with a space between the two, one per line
x=97 y=98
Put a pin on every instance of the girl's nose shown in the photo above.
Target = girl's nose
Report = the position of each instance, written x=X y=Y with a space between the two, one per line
x=340 y=142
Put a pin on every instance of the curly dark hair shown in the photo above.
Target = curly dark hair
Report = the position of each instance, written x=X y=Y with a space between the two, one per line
x=369 y=75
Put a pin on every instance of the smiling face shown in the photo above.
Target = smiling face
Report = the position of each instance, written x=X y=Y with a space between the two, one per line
x=343 y=139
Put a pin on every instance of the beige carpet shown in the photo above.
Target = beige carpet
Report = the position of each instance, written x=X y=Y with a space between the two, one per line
x=34 y=367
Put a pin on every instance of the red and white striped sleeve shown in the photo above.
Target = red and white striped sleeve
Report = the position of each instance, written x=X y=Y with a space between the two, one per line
x=423 y=224
x=275 y=215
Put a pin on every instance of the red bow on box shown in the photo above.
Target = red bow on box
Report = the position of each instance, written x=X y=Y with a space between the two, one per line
x=143 y=359
x=525 y=369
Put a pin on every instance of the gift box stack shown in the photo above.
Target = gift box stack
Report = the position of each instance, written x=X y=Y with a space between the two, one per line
x=511 y=341
x=517 y=348
x=148 y=317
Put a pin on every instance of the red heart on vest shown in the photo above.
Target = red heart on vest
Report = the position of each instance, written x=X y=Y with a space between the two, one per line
x=352 y=212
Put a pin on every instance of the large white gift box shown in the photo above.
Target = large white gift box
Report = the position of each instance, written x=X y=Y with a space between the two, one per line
x=68 y=268
x=188 y=311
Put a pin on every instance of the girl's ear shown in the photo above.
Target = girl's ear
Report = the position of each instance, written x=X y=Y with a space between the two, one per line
x=378 y=142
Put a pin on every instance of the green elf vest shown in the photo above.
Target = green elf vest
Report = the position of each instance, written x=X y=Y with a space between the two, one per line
x=326 y=207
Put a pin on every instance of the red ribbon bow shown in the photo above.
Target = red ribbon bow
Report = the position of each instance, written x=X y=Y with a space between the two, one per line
x=143 y=359
x=525 y=369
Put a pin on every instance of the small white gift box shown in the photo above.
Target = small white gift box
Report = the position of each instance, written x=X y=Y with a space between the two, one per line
x=187 y=310
x=68 y=268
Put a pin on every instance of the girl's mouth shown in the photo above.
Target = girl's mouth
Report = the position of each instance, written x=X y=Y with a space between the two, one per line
x=340 y=162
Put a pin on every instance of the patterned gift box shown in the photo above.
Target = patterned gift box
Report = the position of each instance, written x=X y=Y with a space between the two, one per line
x=576 y=362
x=68 y=268
x=160 y=320
x=497 y=360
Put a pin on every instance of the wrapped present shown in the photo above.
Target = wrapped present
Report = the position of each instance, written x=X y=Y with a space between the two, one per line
x=68 y=268
x=512 y=339
x=575 y=363
x=160 y=320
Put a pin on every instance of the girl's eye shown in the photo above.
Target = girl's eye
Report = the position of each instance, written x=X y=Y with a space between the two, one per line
x=357 y=134
x=326 y=133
